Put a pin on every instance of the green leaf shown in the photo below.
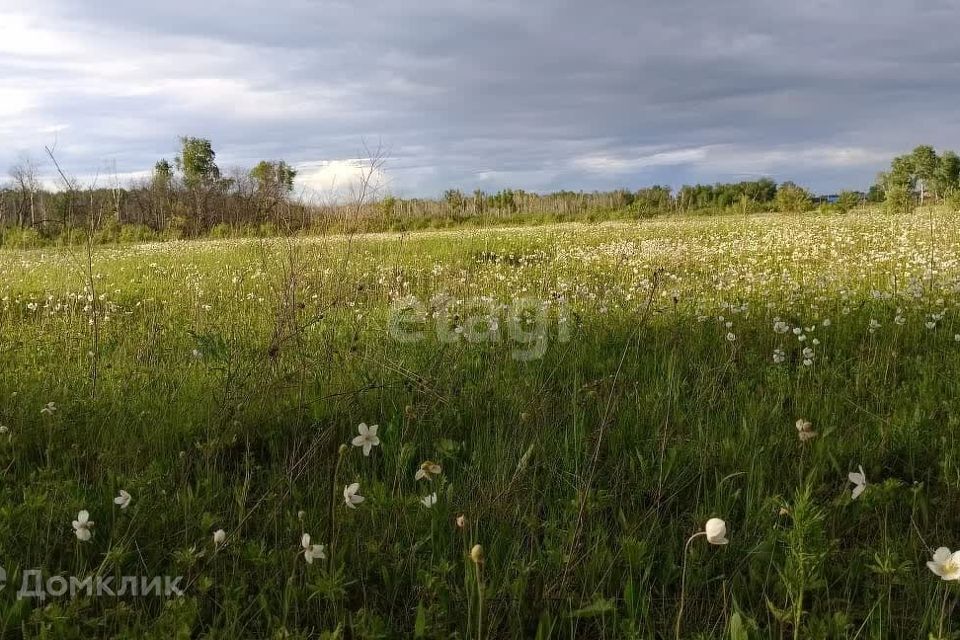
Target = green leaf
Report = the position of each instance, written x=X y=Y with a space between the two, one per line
x=599 y=607
x=420 y=626
x=780 y=614
x=737 y=630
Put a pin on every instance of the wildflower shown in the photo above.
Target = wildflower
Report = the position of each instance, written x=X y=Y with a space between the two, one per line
x=312 y=552
x=805 y=430
x=367 y=439
x=781 y=327
x=731 y=337
x=427 y=470
x=716 y=531
x=945 y=564
x=461 y=521
x=4 y=430
x=123 y=500
x=859 y=480
x=808 y=355
x=476 y=554
x=219 y=537
x=49 y=409
x=429 y=501
x=779 y=356
x=874 y=325
x=350 y=495
x=82 y=526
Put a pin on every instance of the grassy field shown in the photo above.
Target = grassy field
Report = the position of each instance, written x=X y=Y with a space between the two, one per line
x=586 y=397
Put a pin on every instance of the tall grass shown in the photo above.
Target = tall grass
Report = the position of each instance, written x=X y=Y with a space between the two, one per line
x=230 y=375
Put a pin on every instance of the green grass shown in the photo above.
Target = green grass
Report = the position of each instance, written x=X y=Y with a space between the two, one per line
x=217 y=381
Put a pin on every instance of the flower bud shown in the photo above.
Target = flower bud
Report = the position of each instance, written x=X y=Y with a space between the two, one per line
x=476 y=554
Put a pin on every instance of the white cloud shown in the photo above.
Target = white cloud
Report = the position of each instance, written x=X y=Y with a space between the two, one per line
x=23 y=36
x=339 y=180
x=736 y=159
x=481 y=96
x=612 y=163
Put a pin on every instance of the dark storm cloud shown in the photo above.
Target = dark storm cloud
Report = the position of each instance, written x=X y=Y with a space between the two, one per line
x=539 y=95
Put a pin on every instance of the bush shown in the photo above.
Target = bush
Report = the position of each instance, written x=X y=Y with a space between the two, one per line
x=952 y=199
x=221 y=231
x=898 y=199
x=136 y=233
x=25 y=238
x=792 y=199
x=848 y=200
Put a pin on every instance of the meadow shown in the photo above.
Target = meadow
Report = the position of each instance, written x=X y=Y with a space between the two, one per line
x=559 y=411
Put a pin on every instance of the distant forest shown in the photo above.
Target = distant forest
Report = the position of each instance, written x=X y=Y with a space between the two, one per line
x=190 y=197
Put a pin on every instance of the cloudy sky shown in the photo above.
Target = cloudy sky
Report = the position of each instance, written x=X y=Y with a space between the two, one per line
x=535 y=94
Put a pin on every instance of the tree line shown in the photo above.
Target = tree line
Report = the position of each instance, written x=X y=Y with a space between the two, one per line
x=920 y=177
x=190 y=197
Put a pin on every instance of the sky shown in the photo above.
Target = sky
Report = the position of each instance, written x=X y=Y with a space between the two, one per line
x=533 y=94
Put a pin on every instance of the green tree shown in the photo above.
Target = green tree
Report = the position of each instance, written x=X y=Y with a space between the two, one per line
x=274 y=178
x=792 y=198
x=847 y=200
x=273 y=183
x=162 y=173
x=947 y=174
x=901 y=174
x=898 y=199
x=455 y=200
x=925 y=161
x=479 y=200
x=388 y=205
x=197 y=162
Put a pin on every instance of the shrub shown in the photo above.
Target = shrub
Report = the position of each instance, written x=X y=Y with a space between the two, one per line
x=221 y=231
x=25 y=238
x=952 y=199
x=898 y=199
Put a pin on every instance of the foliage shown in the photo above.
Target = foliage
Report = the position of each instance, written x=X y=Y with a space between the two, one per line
x=791 y=198
x=848 y=200
x=197 y=162
x=722 y=196
x=921 y=169
x=898 y=199
x=274 y=177
x=215 y=382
